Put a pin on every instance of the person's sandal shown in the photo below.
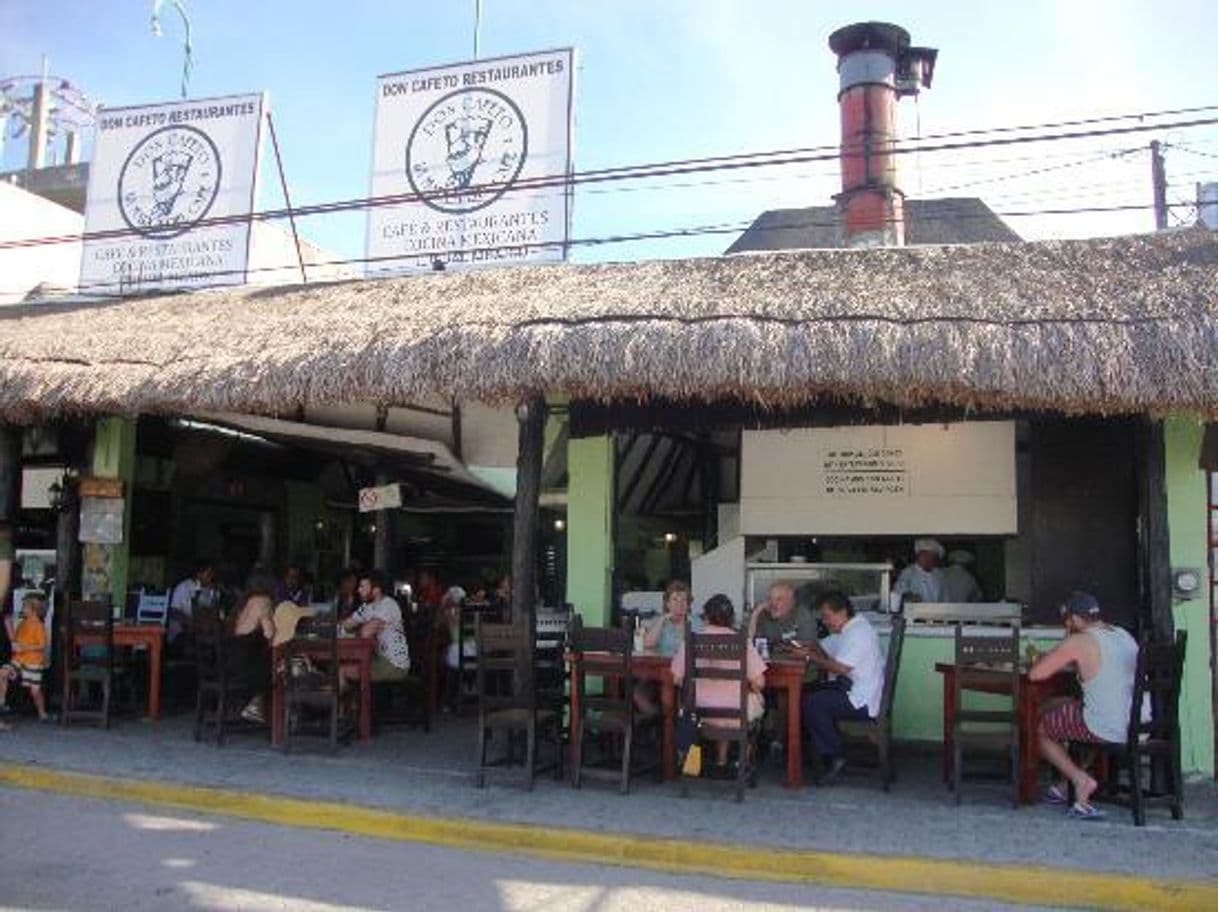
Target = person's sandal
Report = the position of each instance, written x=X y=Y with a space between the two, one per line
x=1080 y=811
x=1054 y=795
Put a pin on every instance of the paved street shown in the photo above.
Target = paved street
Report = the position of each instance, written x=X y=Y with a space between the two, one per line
x=83 y=854
x=407 y=771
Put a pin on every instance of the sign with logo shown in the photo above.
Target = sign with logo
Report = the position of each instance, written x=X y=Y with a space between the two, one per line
x=171 y=188
x=386 y=497
x=479 y=154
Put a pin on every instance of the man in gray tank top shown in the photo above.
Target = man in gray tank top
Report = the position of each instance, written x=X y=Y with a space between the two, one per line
x=1106 y=659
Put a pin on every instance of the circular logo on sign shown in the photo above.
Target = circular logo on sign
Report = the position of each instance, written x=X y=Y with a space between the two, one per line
x=169 y=182
x=466 y=150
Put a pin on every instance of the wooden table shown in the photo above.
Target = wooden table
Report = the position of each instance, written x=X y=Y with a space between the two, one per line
x=1031 y=695
x=352 y=651
x=151 y=636
x=784 y=675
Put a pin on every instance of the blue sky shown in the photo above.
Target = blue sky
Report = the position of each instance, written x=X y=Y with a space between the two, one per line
x=673 y=80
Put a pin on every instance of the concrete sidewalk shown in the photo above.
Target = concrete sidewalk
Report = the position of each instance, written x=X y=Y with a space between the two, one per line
x=430 y=775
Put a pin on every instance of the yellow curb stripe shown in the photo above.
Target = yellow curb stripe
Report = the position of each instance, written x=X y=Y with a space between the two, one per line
x=1000 y=882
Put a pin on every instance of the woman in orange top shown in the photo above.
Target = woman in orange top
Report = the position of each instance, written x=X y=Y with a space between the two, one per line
x=29 y=639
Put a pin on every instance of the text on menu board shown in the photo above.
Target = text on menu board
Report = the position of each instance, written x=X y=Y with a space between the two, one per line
x=862 y=471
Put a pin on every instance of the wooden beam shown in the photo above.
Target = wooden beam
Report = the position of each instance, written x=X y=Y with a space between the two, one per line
x=1155 y=538
x=458 y=448
x=671 y=464
x=10 y=472
x=640 y=470
x=531 y=418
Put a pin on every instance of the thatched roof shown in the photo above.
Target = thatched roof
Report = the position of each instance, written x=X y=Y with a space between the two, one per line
x=1116 y=325
x=954 y=220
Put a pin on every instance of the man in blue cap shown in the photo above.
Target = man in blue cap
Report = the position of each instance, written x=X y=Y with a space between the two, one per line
x=1106 y=658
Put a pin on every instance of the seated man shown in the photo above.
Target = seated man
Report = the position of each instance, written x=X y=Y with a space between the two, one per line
x=852 y=656
x=182 y=599
x=781 y=622
x=380 y=616
x=1107 y=659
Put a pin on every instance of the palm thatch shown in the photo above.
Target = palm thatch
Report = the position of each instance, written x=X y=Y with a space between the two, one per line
x=1102 y=326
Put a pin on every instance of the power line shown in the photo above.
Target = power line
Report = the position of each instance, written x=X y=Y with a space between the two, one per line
x=625 y=173
x=393 y=261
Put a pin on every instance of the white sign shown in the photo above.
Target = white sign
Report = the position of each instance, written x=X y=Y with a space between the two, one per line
x=160 y=176
x=386 y=497
x=481 y=154
x=880 y=480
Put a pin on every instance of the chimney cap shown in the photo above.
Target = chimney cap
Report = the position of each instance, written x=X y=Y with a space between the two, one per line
x=869 y=36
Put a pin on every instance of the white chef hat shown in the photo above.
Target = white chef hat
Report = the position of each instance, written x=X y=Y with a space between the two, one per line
x=928 y=544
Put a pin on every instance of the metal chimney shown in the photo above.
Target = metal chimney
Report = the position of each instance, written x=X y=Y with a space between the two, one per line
x=877 y=66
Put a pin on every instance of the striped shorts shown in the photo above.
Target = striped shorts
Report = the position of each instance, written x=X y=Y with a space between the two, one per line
x=1065 y=723
x=29 y=675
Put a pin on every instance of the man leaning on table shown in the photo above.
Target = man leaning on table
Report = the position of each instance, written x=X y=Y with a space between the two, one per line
x=852 y=657
x=1106 y=658
x=783 y=623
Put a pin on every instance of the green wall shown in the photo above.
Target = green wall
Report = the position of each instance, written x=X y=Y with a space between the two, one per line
x=1186 y=510
x=590 y=527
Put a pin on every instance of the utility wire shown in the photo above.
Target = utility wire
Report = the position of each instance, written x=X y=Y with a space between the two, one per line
x=636 y=172
x=392 y=263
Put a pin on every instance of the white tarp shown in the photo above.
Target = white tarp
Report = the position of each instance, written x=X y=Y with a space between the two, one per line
x=480 y=152
x=158 y=171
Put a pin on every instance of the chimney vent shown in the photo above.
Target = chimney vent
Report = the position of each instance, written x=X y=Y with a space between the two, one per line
x=877 y=66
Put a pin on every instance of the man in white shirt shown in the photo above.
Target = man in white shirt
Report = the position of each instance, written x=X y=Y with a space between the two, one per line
x=851 y=655
x=923 y=580
x=380 y=616
x=182 y=599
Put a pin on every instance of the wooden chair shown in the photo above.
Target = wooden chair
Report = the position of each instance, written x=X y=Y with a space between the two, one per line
x=409 y=701
x=467 y=665
x=612 y=711
x=510 y=700
x=1160 y=671
x=979 y=655
x=720 y=657
x=87 y=666
x=306 y=686
x=878 y=731
x=152 y=609
x=220 y=694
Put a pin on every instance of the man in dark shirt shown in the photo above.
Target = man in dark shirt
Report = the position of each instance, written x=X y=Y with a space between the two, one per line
x=780 y=620
x=782 y=623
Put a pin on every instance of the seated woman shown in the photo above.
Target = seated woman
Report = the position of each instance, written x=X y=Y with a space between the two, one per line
x=248 y=654
x=719 y=616
x=665 y=635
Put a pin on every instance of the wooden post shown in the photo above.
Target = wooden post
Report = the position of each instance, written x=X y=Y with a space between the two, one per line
x=10 y=472
x=382 y=538
x=531 y=415
x=67 y=543
x=1155 y=537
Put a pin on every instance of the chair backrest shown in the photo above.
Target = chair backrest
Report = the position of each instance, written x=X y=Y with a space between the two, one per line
x=92 y=619
x=318 y=641
x=152 y=609
x=892 y=667
x=503 y=679
x=986 y=654
x=613 y=647
x=210 y=635
x=1160 y=671
x=717 y=657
